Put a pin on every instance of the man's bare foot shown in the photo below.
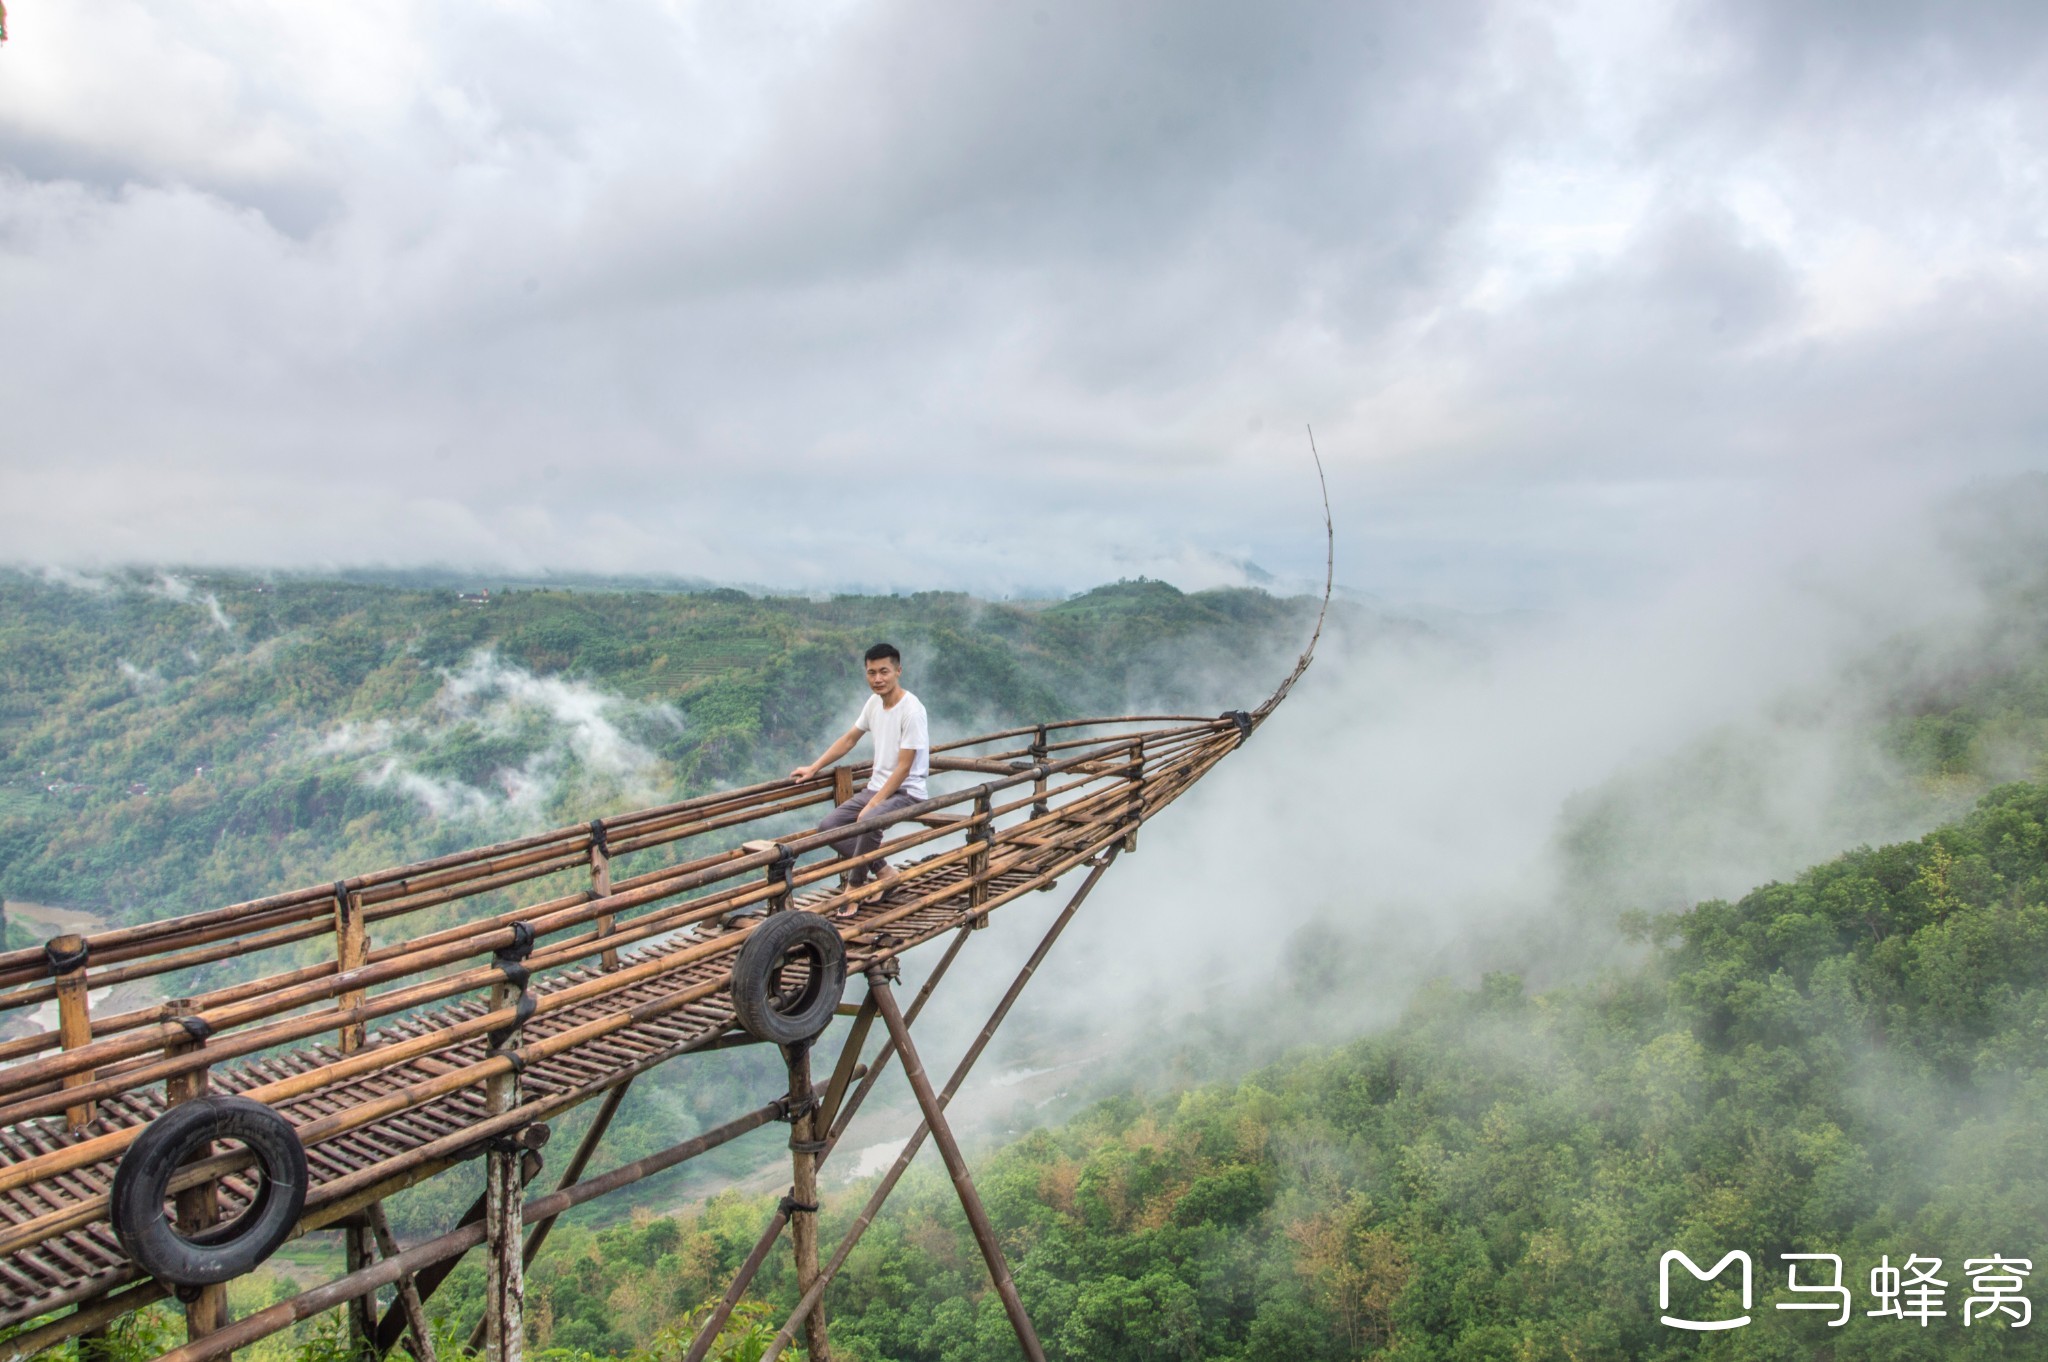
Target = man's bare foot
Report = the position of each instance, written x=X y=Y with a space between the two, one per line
x=891 y=879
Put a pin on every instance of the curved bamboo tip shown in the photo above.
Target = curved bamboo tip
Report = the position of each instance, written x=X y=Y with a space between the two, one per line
x=1308 y=654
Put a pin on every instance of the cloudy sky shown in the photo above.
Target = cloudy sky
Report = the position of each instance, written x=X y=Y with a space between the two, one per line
x=1012 y=296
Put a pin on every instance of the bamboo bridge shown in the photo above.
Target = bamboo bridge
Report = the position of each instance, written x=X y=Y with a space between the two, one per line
x=387 y=1027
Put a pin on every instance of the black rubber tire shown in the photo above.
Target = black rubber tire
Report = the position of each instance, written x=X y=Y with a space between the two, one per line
x=788 y=1016
x=221 y=1253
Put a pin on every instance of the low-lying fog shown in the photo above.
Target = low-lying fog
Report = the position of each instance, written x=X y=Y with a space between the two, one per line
x=1422 y=806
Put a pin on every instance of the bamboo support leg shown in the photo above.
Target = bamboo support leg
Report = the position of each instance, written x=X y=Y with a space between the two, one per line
x=198 y=1208
x=805 y=1145
x=429 y=1279
x=356 y=1241
x=902 y=1165
x=504 y=1270
x=956 y=1168
x=452 y=1245
x=580 y=1160
x=707 y=1332
x=408 y=1293
x=844 y=1073
x=847 y=1069
x=845 y=1114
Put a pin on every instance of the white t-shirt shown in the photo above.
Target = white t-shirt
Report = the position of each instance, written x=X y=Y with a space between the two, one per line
x=894 y=729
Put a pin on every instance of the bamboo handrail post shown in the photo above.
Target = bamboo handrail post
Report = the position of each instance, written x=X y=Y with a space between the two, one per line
x=68 y=956
x=779 y=874
x=1038 y=755
x=1136 y=812
x=601 y=888
x=352 y=951
x=981 y=834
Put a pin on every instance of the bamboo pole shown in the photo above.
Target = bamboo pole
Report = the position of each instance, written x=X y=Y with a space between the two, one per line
x=323 y=1298
x=428 y=1280
x=505 y=1269
x=89 y=1317
x=804 y=1148
x=601 y=888
x=708 y=1329
x=68 y=955
x=416 y=1094
x=408 y=1292
x=963 y=1185
x=198 y=1207
x=599 y=1123
x=80 y=1154
x=811 y=1297
x=578 y=1161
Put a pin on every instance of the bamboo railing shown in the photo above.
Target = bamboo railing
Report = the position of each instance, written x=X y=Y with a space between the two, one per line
x=377 y=1050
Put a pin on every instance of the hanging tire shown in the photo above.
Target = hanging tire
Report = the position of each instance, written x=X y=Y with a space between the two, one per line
x=220 y=1252
x=789 y=978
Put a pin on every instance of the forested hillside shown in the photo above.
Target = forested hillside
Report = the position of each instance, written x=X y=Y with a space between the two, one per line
x=1851 y=1063
x=1845 y=1063
x=169 y=742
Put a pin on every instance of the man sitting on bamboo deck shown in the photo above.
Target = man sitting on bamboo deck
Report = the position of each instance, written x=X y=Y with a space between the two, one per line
x=903 y=757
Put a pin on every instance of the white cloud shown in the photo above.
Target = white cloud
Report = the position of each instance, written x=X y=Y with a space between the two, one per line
x=570 y=731
x=848 y=294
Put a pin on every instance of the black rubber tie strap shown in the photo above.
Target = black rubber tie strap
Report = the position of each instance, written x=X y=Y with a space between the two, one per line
x=509 y=959
x=522 y=1012
x=789 y=1205
x=1243 y=722
x=598 y=840
x=63 y=962
x=809 y=1146
x=196 y=1027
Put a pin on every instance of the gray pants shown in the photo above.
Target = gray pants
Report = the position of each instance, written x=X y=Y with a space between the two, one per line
x=863 y=843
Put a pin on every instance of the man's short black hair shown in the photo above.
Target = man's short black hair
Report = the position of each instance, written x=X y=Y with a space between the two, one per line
x=888 y=650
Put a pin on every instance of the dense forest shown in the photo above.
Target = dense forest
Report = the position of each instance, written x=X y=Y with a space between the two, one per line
x=173 y=742
x=1844 y=1062
x=1847 y=1064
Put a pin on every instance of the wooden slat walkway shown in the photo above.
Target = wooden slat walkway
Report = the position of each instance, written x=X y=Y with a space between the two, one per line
x=88 y=1261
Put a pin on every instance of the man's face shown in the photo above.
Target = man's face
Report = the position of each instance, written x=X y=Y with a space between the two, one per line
x=882 y=676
